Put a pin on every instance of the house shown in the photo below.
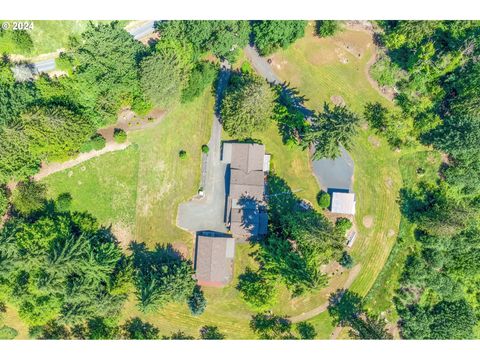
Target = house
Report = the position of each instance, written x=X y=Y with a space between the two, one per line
x=343 y=203
x=214 y=259
x=246 y=214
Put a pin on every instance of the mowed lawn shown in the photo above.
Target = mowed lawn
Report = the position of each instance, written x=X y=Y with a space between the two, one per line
x=379 y=299
x=324 y=70
x=138 y=190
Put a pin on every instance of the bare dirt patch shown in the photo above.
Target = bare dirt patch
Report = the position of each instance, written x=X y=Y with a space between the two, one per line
x=391 y=233
x=123 y=234
x=375 y=141
x=367 y=221
x=337 y=100
x=182 y=249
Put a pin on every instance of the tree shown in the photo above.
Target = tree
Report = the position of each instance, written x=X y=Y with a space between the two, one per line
x=331 y=129
x=164 y=74
x=136 y=329
x=270 y=35
x=179 y=335
x=211 y=333
x=197 y=302
x=62 y=267
x=343 y=225
x=29 y=196
x=323 y=199
x=119 y=135
x=96 y=142
x=326 y=28
x=3 y=200
x=17 y=162
x=453 y=320
x=205 y=149
x=270 y=327
x=223 y=38
x=306 y=330
x=106 y=65
x=182 y=154
x=201 y=77
x=64 y=201
x=346 y=260
x=247 y=106
x=257 y=291
x=55 y=132
x=161 y=276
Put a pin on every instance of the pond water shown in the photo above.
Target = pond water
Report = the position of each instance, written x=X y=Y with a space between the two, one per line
x=335 y=174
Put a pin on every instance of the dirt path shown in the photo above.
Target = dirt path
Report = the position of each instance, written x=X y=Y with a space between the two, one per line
x=111 y=145
x=336 y=332
x=48 y=169
x=323 y=307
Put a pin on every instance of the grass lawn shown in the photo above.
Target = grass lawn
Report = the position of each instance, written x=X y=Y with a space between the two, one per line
x=379 y=298
x=323 y=69
x=138 y=190
x=225 y=308
x=48 y=36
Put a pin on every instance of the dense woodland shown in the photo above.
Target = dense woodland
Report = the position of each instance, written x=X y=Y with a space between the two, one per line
x=69 y=278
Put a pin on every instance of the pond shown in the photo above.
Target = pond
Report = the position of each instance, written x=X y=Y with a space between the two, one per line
x=335 y=173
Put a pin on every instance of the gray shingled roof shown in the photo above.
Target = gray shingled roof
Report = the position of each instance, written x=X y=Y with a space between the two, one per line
x=214 y=260
x=247 y=157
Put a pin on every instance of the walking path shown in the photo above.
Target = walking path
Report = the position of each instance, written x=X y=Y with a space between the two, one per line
x=323 y=307
x=48 y=169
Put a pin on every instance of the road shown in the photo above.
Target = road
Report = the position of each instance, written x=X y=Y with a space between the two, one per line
x=143 y=30
x=261 y=65
x=208 y=212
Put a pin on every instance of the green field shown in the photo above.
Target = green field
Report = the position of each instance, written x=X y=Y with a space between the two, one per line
x=138 y=190
x=379 y=298
x=47 y=36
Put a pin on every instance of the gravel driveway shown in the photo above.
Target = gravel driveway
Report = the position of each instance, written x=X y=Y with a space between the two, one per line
x=208 y=212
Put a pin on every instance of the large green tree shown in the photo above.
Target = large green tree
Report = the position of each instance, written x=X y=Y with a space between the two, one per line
x=164 y=74
x=329 y=130
x=247 y=106
x=106 y=61
x=223 y=38
x=62 y=266
x=161 y=276
x=271 y=35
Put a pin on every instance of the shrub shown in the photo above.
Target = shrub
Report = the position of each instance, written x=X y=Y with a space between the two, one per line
x=200 y=78
x=211 y=333
x=29 y=196
x=323 y=199
x=205 y=149
x=246 y=68
x=197 y=302
x=306 y=330
x=343 y=224
x=119 y=135
x=346 y=260
x=141 y=106
x=326 y=28
x=7 y=333
x=64 y=201
x=182 y=154
x=96 y=142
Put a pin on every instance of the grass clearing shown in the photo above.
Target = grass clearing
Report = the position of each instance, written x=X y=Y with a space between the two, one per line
x=379 y=298
x=138 y=190
x=321 y=69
